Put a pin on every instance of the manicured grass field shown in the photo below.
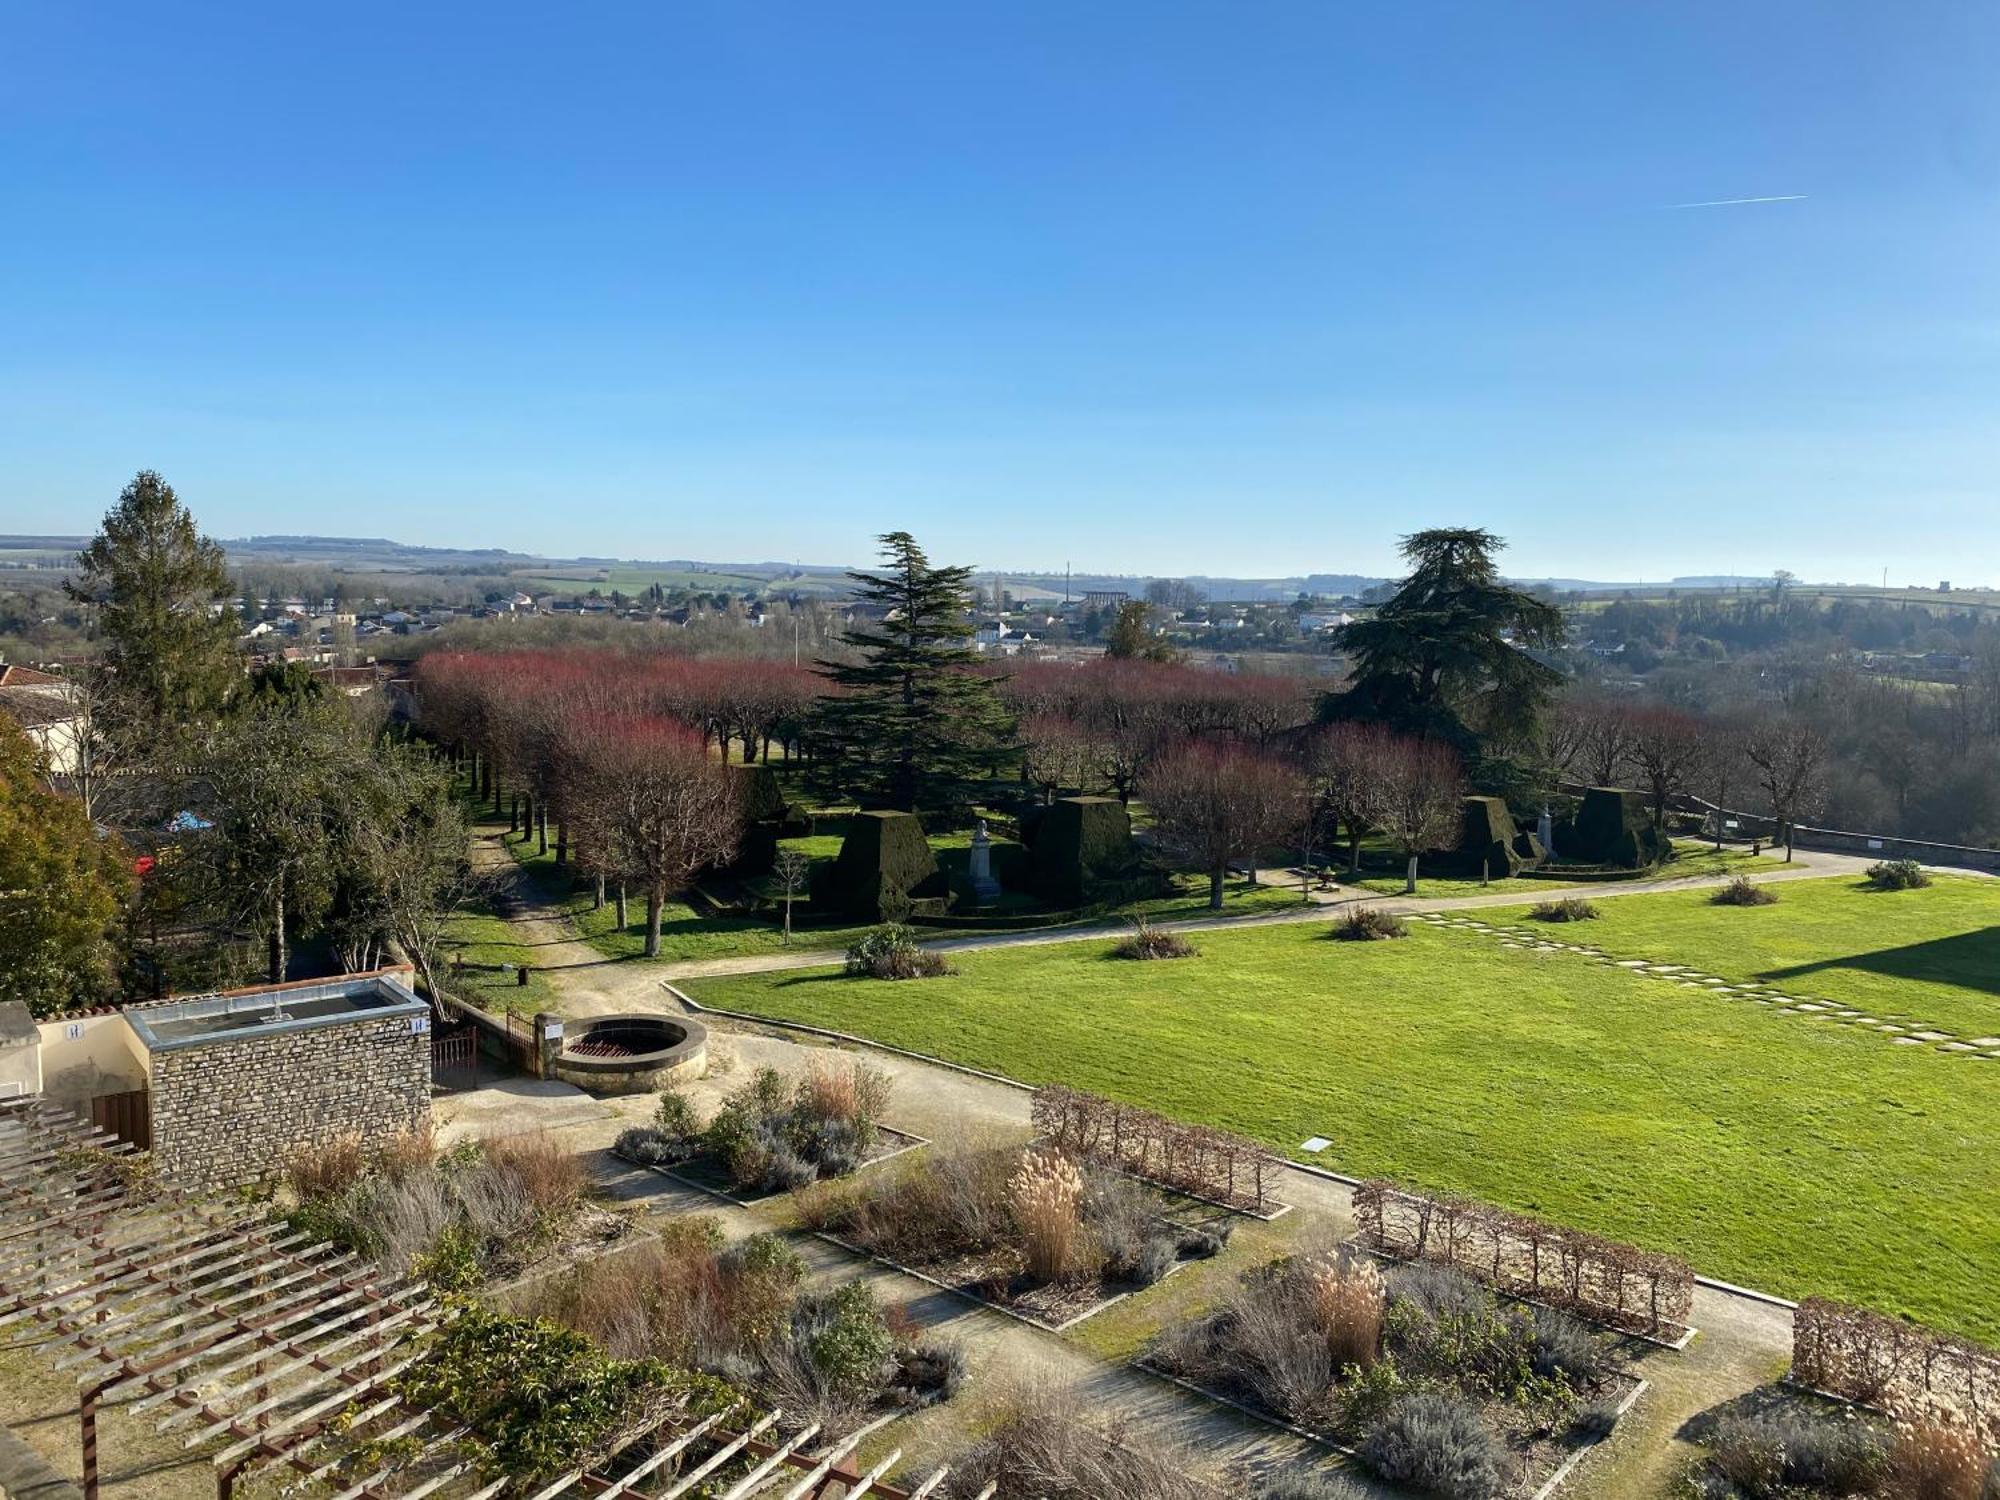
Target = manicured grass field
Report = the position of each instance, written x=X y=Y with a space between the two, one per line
x=1929 y=955
x=1783 y=1154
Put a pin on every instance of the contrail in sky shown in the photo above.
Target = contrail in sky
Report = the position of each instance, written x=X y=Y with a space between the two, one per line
x=1732 y=202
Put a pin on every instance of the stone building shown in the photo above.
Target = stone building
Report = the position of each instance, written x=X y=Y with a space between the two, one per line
x=237 y=1081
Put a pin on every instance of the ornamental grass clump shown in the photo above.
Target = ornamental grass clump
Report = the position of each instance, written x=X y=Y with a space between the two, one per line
x=1742 y=891
x=1940 y=1459
x=1147 y=942
x=1569 y=909
x=1798 y=1450
x=1044 y=1194
x=1368 y=924
x=1346 y=1299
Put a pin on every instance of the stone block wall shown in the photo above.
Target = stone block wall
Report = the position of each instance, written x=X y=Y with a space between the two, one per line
x=234 y=1108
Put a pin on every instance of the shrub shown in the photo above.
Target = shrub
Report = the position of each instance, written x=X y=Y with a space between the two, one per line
x=1439 y=1445
x=648 y=1147
x=927 y=1373
x=892 y=952
x=1148 y=941
x=1367 y=924
x=1203 y=1241
x=1740 y=891
x=778 y=1136
x=674 y=1117
x=1769 y=1455
x=1044 y=1193
x=1570 y=909
x=941 y=1203
x=1564 y=1345
x=1899 y=875
x=1132 y=1244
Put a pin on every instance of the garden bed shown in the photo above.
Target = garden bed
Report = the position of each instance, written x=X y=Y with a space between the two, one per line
x=1024 y=1230
x=1423 y=1374
x=710 y=1172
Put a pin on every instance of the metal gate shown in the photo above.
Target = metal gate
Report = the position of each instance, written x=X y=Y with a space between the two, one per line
x=455 y=1058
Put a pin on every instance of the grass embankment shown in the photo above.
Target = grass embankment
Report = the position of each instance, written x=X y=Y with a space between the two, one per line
x=1768 y=1150
x=1928 y=956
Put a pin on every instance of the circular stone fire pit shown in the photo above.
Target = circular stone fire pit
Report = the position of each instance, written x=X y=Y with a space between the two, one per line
x=632 y=1054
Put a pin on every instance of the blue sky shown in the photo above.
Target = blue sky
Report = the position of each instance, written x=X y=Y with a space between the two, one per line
x=1223 y=288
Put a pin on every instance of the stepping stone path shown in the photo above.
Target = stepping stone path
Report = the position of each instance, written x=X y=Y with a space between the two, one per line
x=1526 y=940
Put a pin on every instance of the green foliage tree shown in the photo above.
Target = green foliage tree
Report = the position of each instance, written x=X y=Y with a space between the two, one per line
x=169 y=655
x=912 y=725
x=62 y=887
x=1131 y=636
x=273 y=789
x=1449 y=655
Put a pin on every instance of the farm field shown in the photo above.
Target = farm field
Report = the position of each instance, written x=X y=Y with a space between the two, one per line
x=1791 y=1156
x=1928 y=956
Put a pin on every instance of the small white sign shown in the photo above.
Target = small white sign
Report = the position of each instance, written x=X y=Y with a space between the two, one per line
x=73 y=1032
x=1874 y=843
x=554 y=1032
x=1316 y=1145
x=419 y=1025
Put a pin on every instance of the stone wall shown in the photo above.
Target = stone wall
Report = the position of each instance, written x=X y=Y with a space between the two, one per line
x=234 y=1108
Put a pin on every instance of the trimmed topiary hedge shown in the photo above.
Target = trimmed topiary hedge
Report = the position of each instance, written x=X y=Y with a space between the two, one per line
x=1614 y=826
x=1080 y=842
x=885 y=871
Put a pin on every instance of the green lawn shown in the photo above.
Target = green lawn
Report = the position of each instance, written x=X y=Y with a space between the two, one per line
x=1930 y=955
x=1794 y=1156
x=686 y=936
x=488 y=951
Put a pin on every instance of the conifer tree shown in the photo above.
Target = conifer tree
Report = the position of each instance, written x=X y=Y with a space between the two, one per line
x=169 y=655
x=912 y=725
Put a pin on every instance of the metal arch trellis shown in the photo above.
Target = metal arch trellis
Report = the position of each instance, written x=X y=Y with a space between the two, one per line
x=285 y=1350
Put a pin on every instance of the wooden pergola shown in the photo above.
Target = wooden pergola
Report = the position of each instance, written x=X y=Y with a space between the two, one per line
x=281 y=1352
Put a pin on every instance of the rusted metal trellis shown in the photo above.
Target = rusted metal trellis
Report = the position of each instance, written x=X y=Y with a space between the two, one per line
x=280 y=1352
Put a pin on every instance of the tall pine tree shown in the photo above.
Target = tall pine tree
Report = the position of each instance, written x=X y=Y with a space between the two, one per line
x=912 y=725
x=169 y=655
x=1448 y=656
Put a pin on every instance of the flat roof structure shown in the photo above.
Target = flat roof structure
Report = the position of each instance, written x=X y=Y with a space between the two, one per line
x=196 y=1020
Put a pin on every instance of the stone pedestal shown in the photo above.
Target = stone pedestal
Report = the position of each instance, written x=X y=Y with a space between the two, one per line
x=985 y=889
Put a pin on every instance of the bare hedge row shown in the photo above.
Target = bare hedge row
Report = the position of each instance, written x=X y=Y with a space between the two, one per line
x=1190 y=1158
x=1908 y=1369
x=1602 y=1279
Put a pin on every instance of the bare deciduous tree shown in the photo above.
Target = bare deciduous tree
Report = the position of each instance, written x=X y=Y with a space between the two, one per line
x=1665 y=747
x=1416 y=795
x=1790 y=757
x=670 y=810
x=1215 y=803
